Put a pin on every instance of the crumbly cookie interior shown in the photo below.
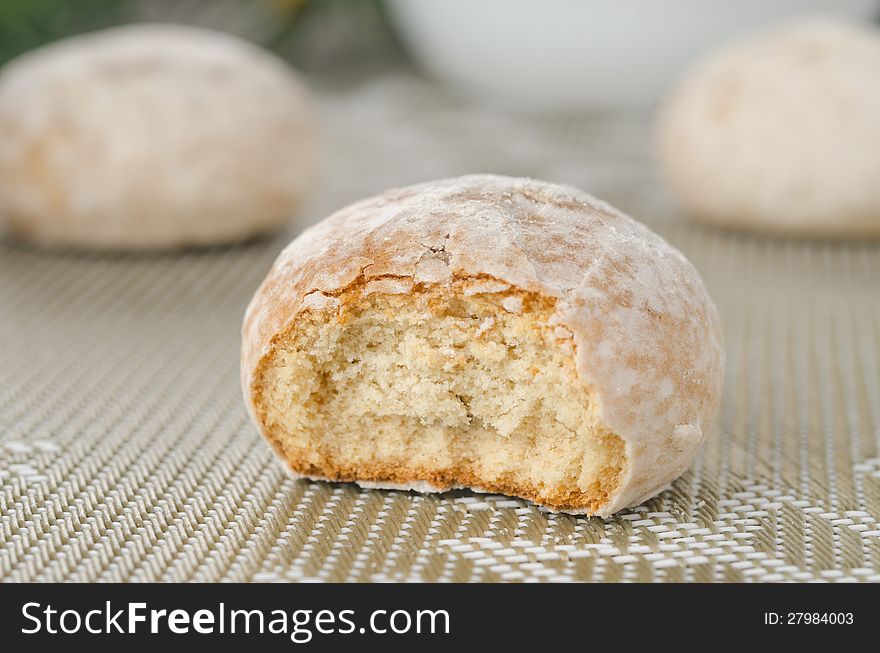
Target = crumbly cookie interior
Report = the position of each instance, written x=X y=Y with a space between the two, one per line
x=439 y=385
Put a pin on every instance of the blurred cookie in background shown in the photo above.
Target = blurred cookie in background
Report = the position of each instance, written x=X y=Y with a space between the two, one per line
x=781 y=132
x=152 y=136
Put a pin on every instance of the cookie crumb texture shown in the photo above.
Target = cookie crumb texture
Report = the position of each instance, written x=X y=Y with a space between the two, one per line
x=444 y=388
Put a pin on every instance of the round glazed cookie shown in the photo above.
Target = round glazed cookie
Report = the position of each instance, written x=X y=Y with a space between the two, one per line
x=151 y=136
x=505 y=335
x=780 y=132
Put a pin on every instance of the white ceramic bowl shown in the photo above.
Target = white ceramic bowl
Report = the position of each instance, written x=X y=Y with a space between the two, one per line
x=570 y=54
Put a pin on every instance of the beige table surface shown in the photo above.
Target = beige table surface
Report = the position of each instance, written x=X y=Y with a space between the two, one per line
x=126 y=453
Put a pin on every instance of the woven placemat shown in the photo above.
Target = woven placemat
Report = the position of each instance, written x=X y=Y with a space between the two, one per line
x=126 y=453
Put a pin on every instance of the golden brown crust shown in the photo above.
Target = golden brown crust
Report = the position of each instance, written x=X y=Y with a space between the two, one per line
x=555 y=498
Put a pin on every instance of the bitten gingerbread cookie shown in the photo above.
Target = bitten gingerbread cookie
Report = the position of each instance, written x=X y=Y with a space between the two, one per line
x=506 y=335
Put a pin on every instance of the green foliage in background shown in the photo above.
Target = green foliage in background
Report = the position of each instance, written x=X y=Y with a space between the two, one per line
x=27 y=24
x=304 y=31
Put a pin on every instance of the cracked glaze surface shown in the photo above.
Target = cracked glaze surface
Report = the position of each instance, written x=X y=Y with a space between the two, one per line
x=647 y=335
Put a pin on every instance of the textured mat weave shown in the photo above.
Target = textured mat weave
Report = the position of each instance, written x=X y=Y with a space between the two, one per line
x=126 y=454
